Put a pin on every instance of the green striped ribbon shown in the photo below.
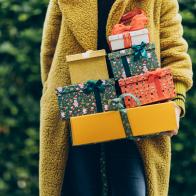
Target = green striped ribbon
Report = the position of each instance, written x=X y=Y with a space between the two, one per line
x=118 y=105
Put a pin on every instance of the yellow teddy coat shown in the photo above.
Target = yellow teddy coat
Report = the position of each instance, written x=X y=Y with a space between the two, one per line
x=71 y=27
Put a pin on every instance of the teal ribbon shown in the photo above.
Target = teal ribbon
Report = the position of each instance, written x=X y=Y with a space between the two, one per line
x=139 y=51
x=96 y=87
x=94 y=84
x=117 y=105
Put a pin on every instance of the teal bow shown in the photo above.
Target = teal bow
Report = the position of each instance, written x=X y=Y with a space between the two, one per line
x=117 y=105
x=139 y=51
x=96 y=87
x=93 y=85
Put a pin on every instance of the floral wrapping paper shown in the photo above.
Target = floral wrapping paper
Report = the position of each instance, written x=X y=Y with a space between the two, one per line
x=74 y=101
x=150 y=87
x=130 y=62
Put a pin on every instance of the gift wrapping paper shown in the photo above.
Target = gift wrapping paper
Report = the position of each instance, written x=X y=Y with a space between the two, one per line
x=128 y=39
x=133 y=61
x=85 y=98
x=150 y=87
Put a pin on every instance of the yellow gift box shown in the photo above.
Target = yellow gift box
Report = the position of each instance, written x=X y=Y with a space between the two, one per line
x=108 y=126
x=90 y=65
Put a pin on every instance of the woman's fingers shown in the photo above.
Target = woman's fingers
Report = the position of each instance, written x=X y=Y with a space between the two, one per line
x=170 y=133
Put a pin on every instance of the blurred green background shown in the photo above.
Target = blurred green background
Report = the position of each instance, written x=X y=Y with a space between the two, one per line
x=21 y=25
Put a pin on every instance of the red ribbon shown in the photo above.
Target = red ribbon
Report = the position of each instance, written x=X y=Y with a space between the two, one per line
x=126 y=18
x=154 y=77
x=127 y=40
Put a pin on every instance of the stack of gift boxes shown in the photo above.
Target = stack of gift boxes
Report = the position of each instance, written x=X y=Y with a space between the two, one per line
x=96 y=112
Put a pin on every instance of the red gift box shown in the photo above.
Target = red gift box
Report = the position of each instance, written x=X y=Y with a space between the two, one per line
x=150 y=87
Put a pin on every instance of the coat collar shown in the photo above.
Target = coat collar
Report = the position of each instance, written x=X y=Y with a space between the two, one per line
x=82 y=19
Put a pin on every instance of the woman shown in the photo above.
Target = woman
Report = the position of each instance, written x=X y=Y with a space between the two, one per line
x=71 y=27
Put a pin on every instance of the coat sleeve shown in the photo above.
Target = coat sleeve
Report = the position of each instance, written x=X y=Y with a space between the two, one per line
x=49 y=38
x=174 y=50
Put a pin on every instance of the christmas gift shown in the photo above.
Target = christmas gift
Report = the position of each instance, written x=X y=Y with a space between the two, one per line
x=125 y=36
x=133 y=61
x=150 y=87
x=85 y=98
x=128 y=39
x=90 y=65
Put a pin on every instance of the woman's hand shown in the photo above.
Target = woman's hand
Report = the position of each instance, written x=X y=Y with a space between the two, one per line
x=174 y=132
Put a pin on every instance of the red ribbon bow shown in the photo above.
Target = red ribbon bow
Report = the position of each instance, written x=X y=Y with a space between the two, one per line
x=138 y=21
x=154 y=77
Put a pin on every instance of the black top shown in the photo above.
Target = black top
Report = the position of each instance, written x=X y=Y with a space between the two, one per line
x=104 y=7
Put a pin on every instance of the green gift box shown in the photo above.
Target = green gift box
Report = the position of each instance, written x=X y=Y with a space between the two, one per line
x=85 y=98
x=133 y=61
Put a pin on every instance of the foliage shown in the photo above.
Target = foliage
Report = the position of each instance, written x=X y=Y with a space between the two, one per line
x=20 y=90
x=183 y=180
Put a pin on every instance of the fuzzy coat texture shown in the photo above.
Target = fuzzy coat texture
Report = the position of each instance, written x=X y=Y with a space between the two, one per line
x=71 y=27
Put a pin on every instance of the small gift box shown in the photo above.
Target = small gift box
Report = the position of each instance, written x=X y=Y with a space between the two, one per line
x=90 y=65
x=133 y=61
x=125 y=36
x=150 y=87
x=128 y=39
x=85 y=98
